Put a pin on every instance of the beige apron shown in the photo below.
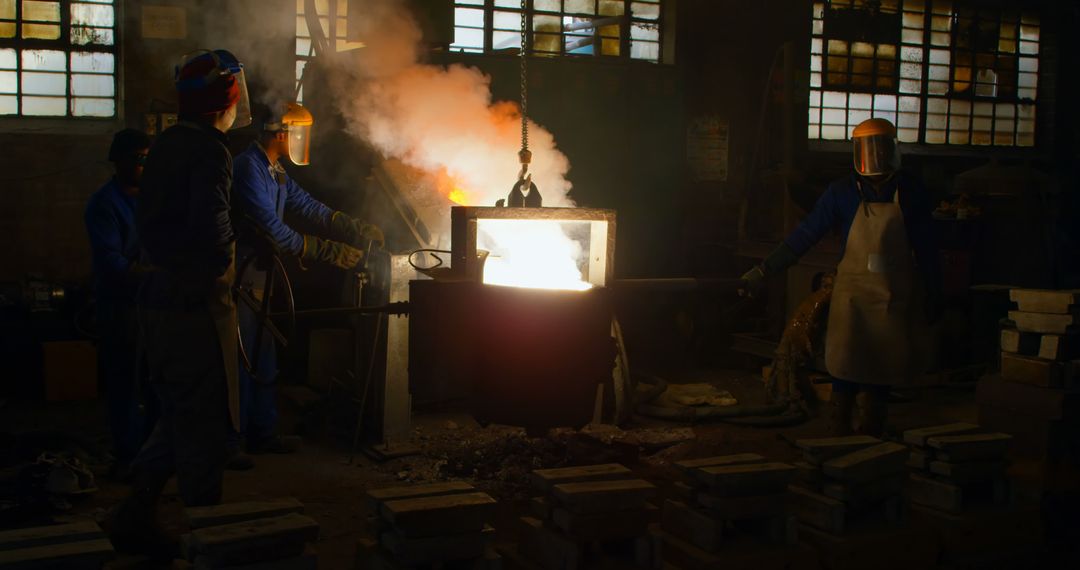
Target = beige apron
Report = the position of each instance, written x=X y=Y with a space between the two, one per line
x=876 y=302
x=223 y=311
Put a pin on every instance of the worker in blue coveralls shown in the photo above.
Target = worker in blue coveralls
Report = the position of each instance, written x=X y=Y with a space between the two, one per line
x=887 y=289
x=262 y=193
x=114 y=247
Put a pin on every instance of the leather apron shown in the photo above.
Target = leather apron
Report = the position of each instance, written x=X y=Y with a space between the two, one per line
x=223 y=311
x=874 y=306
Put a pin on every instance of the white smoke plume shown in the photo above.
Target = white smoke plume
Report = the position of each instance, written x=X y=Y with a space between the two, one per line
x=439 y=119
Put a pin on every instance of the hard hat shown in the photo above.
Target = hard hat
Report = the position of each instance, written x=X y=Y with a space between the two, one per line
x=211 y=82
x=874 y=148
x=297 y=121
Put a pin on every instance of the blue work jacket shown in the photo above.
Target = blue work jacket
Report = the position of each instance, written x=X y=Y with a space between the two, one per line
x=114 y=243
x=262 y=193
x=836 y=210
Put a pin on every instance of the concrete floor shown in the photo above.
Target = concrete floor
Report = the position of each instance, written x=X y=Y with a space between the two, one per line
x=332 y=489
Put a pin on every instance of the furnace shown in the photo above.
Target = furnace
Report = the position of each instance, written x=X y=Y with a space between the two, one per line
x=508 y=331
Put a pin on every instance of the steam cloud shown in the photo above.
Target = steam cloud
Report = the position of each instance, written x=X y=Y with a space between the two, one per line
x=440 y=120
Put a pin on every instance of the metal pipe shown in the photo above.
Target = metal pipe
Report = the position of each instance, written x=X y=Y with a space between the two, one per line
x=399 y=308
x=677 y=284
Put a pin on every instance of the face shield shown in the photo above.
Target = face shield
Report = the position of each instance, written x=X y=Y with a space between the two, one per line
x=224 y=64
x=874 y=147
x=297 y=122
x=876 y=155
x=300 y=144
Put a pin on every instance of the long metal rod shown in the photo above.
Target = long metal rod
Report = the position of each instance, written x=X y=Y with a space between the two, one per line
x=677 y=284
x=399 y=308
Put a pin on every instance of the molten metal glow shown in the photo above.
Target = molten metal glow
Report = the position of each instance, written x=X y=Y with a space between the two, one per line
x=535 y=254
x=530 y=253
x=457 y=196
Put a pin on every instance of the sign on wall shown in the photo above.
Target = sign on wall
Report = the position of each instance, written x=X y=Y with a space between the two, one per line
x=707 y=140
x=164 y=22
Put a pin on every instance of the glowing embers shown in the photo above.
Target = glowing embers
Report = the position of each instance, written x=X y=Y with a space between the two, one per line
x=570 y=249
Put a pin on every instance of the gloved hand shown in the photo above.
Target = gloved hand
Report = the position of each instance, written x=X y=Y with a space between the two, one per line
x=335 y=253
x=356 y=231
x=752 y=282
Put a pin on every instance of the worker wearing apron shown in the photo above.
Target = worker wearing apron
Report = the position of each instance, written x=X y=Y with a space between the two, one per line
x=887 y=287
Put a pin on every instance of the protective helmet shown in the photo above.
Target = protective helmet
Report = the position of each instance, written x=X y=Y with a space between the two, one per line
x=297 y=121
x=211 y=82
x=875 y=150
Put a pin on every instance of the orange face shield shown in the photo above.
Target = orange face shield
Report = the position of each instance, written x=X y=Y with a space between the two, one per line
x=875 y=152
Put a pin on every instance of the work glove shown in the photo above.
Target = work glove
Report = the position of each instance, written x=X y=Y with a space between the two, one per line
x=752 y=282
x=335 y=253
x=356 y=231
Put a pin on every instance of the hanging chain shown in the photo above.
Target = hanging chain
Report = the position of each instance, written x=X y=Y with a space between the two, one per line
x=524 y=82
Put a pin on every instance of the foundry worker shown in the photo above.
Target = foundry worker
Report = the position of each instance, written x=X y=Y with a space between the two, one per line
x=186 y=315
x=887 y=287
x=262 y=194
x=114 y=247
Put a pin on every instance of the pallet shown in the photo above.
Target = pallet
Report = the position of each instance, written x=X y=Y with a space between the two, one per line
x=1045 y=300
x=1045 y=323
x=819 y=450
x=687 y=465
x=202 y=517
x=1019 y=342
x=744 y=480
x=840 y=517
x=868 y=464
x=259 y=540
x=1033 y=370
x=918 y=437
x=592 y=497
x=439 y=515
x=376 y=497
x=971 y=447
x=79 y=545
x=955 y=498
x=544 y=480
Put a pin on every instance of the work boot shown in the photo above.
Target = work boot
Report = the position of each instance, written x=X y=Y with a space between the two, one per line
x=275 y=444
x=872 y=413
x=239 y=461
x=133 y=525
x=841 y=407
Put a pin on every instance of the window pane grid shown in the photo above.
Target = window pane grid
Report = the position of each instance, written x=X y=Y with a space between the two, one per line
x=586 y=28
x=962 y=75
x=57 y=58
x=329 y=12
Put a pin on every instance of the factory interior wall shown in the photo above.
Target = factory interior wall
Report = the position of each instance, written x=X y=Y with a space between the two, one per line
x=49 y=168
x=622 y=125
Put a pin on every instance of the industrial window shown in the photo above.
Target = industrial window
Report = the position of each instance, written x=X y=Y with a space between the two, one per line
x=610 y=28
x=944 y=71
x=333 y=17
x=57 y=59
